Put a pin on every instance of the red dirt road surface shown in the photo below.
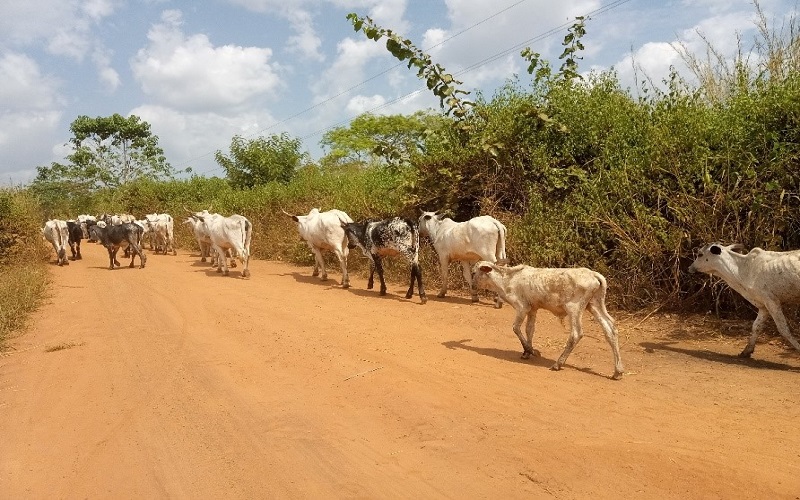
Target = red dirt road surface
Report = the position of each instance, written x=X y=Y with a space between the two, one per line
x=176 y=382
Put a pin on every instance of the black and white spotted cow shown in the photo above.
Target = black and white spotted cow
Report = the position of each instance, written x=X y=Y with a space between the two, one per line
x=388 y=237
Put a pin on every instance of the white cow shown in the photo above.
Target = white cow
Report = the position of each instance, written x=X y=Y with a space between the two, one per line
x=83 y=219
x=202 y=237
x=161 y=231
x=57 y=233
x=480 y=238
x=228 y=234
x=564 y=292
x=766 y=279
x=323 y=231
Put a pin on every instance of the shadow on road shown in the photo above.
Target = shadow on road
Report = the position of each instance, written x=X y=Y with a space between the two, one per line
x=718 y=357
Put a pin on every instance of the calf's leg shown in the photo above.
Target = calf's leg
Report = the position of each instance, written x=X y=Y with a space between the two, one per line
x=606 y=322
x=444 y=264
x=574 y=313
x=758 y=325
x=780 y=321
x=522 y=313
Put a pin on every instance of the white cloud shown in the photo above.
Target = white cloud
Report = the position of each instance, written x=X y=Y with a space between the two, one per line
x=361 y=104
x=190 y=139
x=107 y=74
x=190 y=74
x=24 y=86
x=305 y=41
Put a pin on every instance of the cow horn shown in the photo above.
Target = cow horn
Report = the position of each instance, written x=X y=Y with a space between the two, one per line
x=287 y=213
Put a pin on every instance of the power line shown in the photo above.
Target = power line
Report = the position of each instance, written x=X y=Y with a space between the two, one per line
x=483 y=62
x=498 y=55
x=361 y=84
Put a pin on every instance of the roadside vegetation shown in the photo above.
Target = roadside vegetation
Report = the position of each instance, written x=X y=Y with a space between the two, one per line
x=582 y=171
x=23 y=273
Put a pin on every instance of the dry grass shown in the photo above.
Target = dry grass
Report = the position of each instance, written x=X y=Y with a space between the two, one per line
x=61 y=347
x=22 y=288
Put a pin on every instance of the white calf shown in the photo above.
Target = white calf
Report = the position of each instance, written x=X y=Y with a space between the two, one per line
x=323 y=231
x=766 y=279
x=480 y=238
x=563 y=292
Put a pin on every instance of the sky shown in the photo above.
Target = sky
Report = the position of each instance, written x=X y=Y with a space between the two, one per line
x=201 y=72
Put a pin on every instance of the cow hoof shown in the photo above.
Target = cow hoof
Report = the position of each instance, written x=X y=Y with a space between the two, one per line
x=475 y=299
x=745 y=354
x=345 y=285
x=130 y=265
x=315 y=273
x=66 y=262
x=324 y=277
x=616 y=376
x=556 y=367
x=383 y=292
x=219 y=270
x=441 y=294
x=225 y=272
x=203 y=259
x=409 y=295
x=423 y=300
x=246 y=273
x=498 y=305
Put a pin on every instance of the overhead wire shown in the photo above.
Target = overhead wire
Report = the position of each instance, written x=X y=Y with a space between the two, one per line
x=498 y=55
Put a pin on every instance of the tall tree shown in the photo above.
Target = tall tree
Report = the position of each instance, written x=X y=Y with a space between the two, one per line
x=253 y=162
x=109 y=151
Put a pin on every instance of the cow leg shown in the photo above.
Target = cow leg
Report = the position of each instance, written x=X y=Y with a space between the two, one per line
x=466 y=270
x=530 y=329
x=527 y=349
x=758 y=325
x=222 y=259
x=422 y=297
x=574 y=314
x=370 y=281
x=319 y=263
x=379 y=268
x=600 y=314
x=78 y=253
x=410 y=292
x=783 y=326
x=444 y=264
x=341 y=254
x=112 y=257
x=244 y=255
x=142 y=256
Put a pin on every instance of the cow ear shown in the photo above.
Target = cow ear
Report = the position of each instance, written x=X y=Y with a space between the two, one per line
x=715 y=249
x=294 y=218
x=486 y=269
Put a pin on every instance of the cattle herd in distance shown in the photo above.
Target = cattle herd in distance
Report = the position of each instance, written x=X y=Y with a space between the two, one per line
x=478 y=245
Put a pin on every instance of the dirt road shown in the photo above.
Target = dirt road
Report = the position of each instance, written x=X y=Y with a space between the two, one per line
x=176 y=382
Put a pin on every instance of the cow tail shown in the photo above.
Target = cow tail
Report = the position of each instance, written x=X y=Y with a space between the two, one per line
x=500 y=250
x=248 y=234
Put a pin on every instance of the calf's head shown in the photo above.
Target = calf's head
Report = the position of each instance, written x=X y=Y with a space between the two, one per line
x=712 y=257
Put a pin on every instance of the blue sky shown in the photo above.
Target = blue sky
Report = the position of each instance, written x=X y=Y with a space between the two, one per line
x=202 y=72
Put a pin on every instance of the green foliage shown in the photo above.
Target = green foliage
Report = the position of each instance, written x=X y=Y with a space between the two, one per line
x=255 y=162
x=107 y=152
x=393 y=139
x=438 y=81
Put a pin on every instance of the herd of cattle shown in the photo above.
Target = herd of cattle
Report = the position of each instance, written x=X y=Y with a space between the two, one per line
x=767 y=279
